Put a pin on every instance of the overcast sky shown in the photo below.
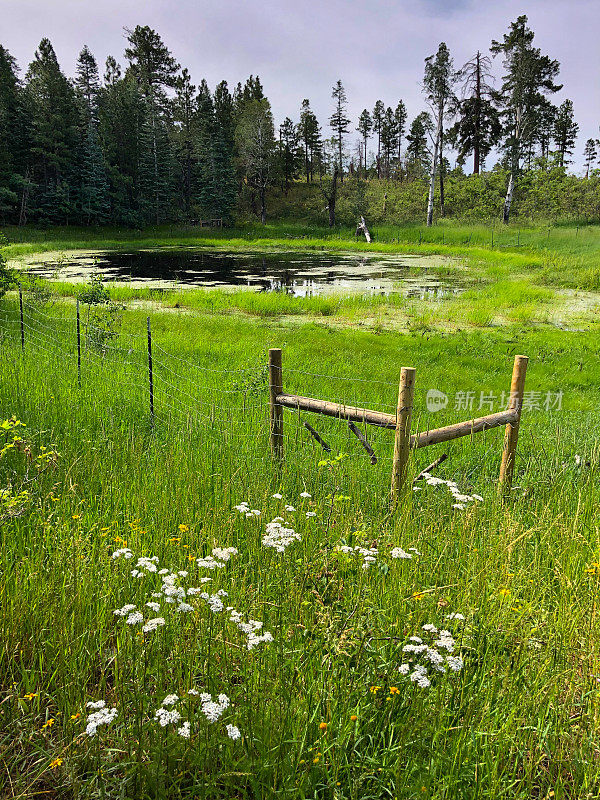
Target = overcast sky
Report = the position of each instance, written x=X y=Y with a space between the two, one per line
x=299 y=48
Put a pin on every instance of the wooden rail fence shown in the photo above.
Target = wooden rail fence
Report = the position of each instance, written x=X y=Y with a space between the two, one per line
x=400 y=422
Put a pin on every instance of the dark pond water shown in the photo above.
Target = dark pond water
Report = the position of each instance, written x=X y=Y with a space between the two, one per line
x=299 y=274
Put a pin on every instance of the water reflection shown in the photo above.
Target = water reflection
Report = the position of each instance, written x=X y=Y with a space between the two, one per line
x=298 y=274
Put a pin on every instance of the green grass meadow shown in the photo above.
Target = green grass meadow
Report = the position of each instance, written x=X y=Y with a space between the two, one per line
x=326 y=710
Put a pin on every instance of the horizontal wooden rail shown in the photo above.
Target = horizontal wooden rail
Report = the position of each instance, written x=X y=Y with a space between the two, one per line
x=464 y=428
x=350 y=413
x=400 y=422
x=382 y=420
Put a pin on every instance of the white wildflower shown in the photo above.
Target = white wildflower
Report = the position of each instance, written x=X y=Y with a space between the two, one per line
x=193 y=692
x=278 y=537
x=148 y=564
x=153 y=606
x=122 y=612
x=455 y=663
x=184 y=730
x=305 y=494
x=209 y=563
x=183 y=573
x=224 y=553
x=233 y=732
x=135 y=618
x=170 y=700
x=398 y=552
x=242 y=508
x=310 y=514
x=184 y=608
x=459 y=506
x=123 y=551
x=404 y=669
x=290 y=508
x=153 y=624
x=211 y=709
x=163 y=716
x=277 y=496
x=98 y=704
x=455 y=615
x=102 y=717
x=430 y=628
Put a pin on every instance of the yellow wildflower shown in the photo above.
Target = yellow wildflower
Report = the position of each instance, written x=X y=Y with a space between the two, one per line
x=184 y=528
x=30 y=695
x=48 y=724
x=56 y=763
x=375 y=689
x=323 y=726
x=353 y=718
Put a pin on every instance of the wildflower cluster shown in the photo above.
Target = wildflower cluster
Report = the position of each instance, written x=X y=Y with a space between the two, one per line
x=437 y=655
x=370 y=555
x=100 y=715
x=278 y=536
x=460 y=499
x=251 y=628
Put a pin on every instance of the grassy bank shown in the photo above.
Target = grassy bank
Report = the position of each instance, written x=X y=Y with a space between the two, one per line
x=326 y=709
x=323 y=709
x=513 y=274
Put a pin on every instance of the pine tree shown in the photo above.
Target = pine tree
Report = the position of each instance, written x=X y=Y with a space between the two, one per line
x=591 y=155
x=87 y=83
x=339 y=122
x=389 y=140
x=309 y=133
x=255 y=138
x=438 y=85
x=365 y=126
x=121 y=115
x=565 y=131
x=225 y=113
x=288 y=152
x=401 y=117
x=378 y=114
x=52 y=107
x=94 y=199
x=13 y=138
x=154 y=69
x=541 y=133
x=184 y=108
x=478 y=128
x=529 y=76
x=417 y=150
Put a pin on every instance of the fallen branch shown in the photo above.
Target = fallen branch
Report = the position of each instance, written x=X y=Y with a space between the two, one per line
x=316 y=436
x=431 y=466
x=362 y=228
x=361 y=438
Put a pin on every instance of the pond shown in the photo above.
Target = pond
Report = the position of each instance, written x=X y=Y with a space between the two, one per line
x=302 y=274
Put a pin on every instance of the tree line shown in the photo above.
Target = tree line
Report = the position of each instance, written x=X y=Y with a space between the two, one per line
x=143 y=144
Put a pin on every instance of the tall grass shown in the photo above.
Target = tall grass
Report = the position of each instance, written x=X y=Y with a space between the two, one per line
x=323 y=710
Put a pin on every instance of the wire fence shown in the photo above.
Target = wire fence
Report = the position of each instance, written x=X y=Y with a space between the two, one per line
x=201 y=391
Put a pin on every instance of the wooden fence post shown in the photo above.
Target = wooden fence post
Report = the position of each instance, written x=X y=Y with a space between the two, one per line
x=403 y=419
x=517 y=388
x=21 y=313
x=276 y=410
x=150 y=373
x=78 y=348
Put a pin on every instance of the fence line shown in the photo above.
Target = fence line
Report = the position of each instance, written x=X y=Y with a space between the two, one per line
x=172 y=391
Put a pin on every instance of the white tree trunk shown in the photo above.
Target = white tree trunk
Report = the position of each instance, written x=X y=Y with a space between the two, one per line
x=434 y=160
x=509 y=197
